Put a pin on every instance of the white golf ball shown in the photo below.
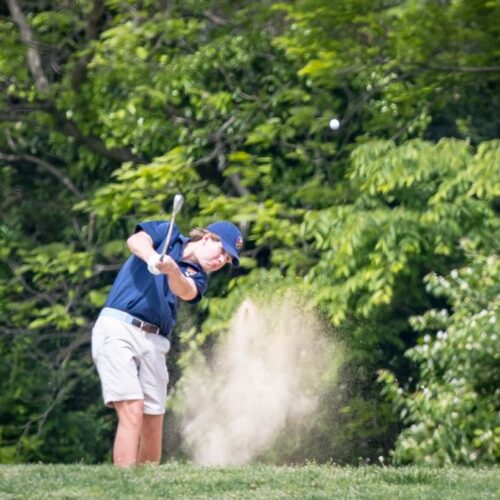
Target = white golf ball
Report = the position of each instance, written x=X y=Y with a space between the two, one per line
x=334 y=124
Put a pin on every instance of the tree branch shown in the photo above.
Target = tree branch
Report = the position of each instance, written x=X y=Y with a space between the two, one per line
x=216 y=19
x=218 y=153
x=34 y=59
x=234 y=179
x=68 y=127
x=463 y=69
x=92 y=142
x=44 y=295
x=12 y=116
x=45 y=166
x=218 y=143
x=92 y=31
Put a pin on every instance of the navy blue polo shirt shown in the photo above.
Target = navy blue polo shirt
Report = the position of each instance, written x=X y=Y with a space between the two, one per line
x=147 y=296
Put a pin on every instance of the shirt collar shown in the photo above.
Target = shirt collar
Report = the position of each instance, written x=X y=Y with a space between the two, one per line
x=195 y=265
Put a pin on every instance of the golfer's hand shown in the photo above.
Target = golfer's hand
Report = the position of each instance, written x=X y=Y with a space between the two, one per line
x=152 y=263
x=167 y=265
x=179 y=284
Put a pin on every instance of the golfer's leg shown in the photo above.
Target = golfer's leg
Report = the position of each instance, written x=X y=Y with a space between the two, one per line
x=128 y=433
x=154 y=379
x=150 y=442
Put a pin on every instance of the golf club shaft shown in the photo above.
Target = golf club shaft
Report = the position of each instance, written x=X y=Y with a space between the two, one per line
x=178 y=202
x=169 y=237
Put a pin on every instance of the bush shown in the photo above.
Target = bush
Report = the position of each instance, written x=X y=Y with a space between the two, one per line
x=451 y=413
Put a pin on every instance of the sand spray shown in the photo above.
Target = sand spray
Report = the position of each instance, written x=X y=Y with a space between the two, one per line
x=267 y=375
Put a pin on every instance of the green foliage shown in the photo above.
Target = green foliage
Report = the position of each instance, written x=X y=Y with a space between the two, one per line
x=451 y=413
x=145 y=190
x=411 y=206
x=229 y=102
x=407 y=68
x=45 y=325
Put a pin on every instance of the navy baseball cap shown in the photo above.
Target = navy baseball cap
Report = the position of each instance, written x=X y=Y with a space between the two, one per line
x=231 y=238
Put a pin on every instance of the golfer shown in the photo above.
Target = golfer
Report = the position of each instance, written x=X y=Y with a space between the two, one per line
x=131 y=337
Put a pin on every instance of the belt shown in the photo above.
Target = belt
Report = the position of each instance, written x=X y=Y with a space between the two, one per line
x=132 y=320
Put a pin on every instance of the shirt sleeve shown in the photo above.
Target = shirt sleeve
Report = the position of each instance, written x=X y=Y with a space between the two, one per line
x=199 y=277
x=156 y=229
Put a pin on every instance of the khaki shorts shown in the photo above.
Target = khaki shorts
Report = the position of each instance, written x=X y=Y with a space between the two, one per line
x=131 y=364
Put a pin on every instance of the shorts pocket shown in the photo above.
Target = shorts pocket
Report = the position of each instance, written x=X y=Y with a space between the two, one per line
x=161 y=344
x=102 y=332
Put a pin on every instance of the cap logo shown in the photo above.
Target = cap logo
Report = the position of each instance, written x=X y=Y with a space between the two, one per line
x=239 y=243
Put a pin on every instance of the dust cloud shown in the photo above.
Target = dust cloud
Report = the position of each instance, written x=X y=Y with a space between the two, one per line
x=267 y=376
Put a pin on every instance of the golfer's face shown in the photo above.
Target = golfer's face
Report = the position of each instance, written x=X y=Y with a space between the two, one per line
x=212 y=256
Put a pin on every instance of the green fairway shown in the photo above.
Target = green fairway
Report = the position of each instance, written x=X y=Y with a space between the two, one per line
x=265 y=482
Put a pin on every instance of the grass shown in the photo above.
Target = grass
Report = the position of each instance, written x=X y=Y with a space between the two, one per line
x=175 y=480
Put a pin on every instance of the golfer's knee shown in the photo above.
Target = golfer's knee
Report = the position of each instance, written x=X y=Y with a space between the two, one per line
x=152 y=424
x=130 y=412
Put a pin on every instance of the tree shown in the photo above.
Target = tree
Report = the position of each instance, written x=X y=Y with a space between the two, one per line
x=401 y=68
x=451 y=413
x=110 y=108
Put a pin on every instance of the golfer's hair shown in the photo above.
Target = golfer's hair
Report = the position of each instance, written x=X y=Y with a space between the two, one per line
x=197 y=234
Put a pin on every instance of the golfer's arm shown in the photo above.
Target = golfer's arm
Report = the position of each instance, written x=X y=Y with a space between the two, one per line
x=141 y=245
x=181 y=286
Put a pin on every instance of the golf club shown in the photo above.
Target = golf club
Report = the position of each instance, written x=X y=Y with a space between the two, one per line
x=178 y=202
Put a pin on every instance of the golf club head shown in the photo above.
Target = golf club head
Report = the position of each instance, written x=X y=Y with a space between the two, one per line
x=178 y=202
